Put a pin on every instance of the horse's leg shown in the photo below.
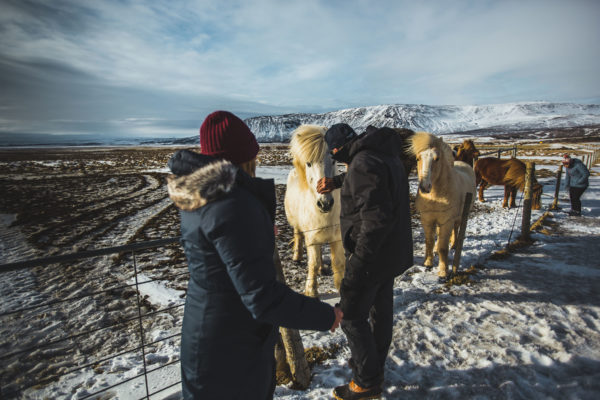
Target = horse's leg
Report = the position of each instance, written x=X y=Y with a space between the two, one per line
x=429 y=230
x=338 y=262
x=445 y=231
x=298 y=244
x=313 y=253
x=507 y=190
x=513 y=196
x=454 y=235
x=482 y=187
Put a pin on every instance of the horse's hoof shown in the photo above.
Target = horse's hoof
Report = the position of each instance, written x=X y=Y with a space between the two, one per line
x=446 y=278
x=326 y=271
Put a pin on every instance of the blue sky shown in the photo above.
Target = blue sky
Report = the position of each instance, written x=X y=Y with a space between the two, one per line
x=152 y=68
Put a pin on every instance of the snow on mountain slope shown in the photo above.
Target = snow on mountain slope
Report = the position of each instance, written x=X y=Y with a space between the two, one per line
x=439 y=120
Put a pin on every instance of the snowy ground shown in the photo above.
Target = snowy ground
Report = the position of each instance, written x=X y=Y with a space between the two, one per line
x=527 y=327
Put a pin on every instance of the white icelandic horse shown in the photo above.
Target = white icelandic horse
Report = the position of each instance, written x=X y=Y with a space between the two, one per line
x=315 y=217
x=443 y=184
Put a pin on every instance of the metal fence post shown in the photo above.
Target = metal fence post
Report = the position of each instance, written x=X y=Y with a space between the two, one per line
x=526 y=222
x=139 y=307
x=554 y=205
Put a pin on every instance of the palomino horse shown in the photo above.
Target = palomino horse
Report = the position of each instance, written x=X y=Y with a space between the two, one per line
x=443 y=184
x=467 y=152
x=511 y=174
x=315 y=217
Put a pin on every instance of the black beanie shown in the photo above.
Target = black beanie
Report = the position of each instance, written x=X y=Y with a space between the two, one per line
x=338 y=135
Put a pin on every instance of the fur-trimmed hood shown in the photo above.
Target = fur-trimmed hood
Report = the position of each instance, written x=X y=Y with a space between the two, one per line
x=205 y=184
x=199 y=179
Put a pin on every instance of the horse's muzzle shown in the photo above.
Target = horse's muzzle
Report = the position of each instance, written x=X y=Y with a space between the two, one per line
x=425 y=188
x=325 y=205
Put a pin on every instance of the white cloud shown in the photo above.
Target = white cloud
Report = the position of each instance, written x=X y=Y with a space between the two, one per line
x=330 y=54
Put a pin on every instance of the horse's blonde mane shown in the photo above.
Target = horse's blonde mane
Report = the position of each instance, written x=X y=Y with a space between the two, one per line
x=422 y=141
x=307 y=145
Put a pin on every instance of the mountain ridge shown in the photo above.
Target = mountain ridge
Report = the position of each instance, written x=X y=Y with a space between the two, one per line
x=439 y=120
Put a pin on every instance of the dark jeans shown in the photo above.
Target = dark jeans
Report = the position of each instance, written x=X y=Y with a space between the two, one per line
x=370 y=333
x=575 y=194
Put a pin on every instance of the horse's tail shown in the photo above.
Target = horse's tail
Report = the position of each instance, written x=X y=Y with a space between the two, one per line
x=515 y=175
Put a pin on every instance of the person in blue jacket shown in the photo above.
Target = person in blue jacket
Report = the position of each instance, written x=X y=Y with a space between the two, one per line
x=234 y=304
x=576 y=181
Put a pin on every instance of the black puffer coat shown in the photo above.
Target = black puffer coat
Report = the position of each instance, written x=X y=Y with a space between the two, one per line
x=234 y=303
x=375 y=215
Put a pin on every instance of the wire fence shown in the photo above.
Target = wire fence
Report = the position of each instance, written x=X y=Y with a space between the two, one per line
x=43 y=348
x=498 y=152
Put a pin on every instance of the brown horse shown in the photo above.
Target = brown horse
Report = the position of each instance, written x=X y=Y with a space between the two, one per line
x=509 y=173
x=466 y=152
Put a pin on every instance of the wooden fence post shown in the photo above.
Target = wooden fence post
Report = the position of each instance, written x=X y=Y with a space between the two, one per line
x=499 y=153
x=526 y=222
x=554 y=205
x=292 y=342
x=514 y=152
x=461 y=232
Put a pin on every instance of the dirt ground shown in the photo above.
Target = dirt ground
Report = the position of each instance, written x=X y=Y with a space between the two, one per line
x=72 y=199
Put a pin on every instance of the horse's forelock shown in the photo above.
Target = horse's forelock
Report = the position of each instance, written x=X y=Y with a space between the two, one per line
x=308 y=143
x=421 y=141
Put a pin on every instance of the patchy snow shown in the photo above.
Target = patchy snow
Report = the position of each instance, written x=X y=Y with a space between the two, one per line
x=528 y=326
x=157 y=292
x=278 y=173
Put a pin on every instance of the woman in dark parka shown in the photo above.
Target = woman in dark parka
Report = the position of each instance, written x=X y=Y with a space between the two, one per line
x=234 y=304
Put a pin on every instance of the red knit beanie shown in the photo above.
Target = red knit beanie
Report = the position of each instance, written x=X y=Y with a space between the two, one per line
x=223 y=135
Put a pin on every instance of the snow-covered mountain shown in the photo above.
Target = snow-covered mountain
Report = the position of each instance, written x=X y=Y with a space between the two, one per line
x=440 y=120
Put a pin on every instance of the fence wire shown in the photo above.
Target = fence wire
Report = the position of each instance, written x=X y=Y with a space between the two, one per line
x=18 y=355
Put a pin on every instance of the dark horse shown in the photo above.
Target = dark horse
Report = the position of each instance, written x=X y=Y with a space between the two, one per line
x=409 y=160
x=509 y=173
x=466 y=152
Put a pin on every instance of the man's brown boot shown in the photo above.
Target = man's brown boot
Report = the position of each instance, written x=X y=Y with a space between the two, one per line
x=352 y=391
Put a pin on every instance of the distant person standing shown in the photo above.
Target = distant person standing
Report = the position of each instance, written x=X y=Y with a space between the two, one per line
x=576 y=181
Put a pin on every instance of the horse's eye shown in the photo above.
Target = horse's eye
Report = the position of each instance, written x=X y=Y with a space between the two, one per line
x=308 y=164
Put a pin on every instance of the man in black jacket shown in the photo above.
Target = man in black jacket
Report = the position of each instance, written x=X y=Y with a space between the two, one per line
x=377 y=237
